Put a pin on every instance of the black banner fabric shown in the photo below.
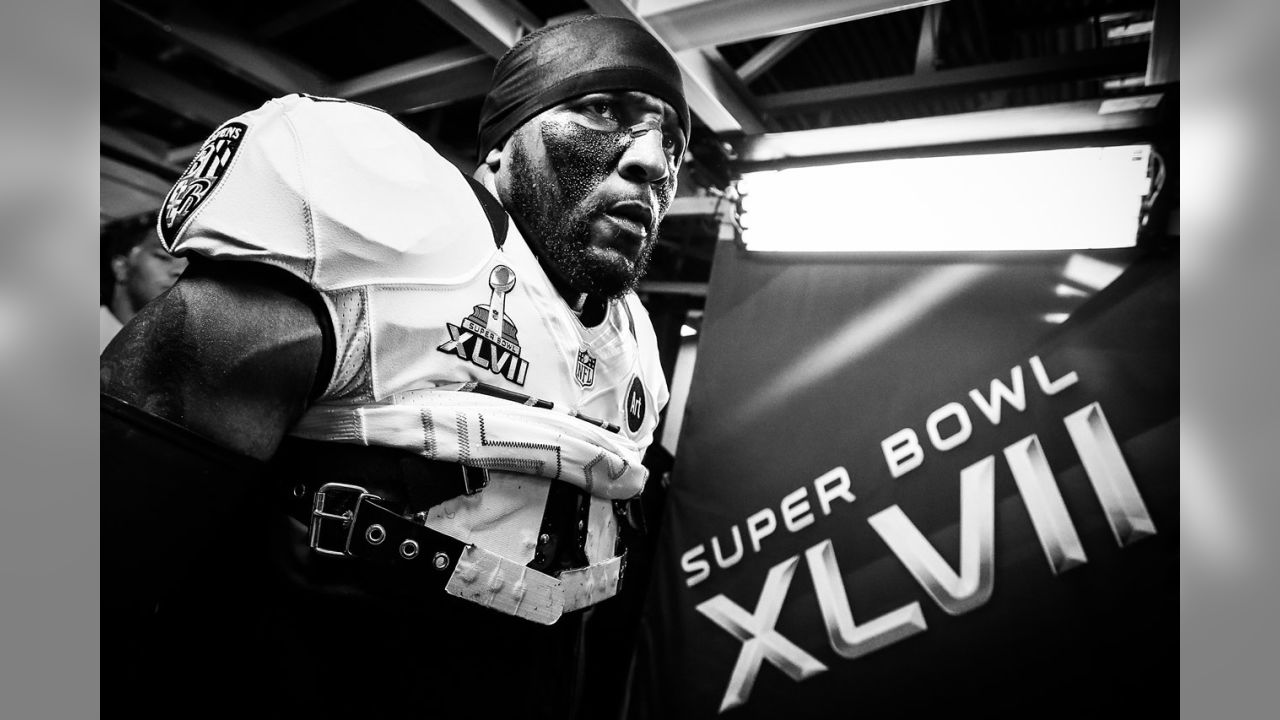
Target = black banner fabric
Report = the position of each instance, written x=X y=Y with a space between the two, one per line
x=908 y=486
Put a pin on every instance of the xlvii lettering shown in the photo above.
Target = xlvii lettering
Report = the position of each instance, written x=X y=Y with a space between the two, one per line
x=760 y=641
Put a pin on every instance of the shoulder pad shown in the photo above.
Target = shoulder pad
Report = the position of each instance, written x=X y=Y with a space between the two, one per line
x=339 y=194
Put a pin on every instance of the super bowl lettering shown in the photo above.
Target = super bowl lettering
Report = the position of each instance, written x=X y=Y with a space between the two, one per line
x=956 y=590
x=902 y=450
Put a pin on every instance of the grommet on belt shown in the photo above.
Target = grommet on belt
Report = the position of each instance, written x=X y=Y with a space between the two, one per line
x=375 y=534
x=409 y=549
x=441 y=561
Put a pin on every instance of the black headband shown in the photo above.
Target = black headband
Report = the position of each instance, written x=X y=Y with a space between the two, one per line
x=559 y=62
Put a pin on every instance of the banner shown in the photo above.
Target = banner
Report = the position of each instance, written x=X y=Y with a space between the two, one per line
x=911 y=485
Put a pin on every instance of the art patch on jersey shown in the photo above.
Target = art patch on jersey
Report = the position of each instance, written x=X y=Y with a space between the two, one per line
x=487 y=337
x=635 y=405
x=585 y=373
x=200 y=178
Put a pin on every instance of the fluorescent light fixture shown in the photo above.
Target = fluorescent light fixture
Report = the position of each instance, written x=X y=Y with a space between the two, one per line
x=1091 y=272
x=1136 y=29
x=1133 y=81
x=1056 y=318
x=686 y=331
x=1078 y=198
x=1064 y=290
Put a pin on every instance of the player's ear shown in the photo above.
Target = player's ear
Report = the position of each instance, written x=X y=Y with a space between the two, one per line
x=120 y=268
x=494 y=159
x=489 y=166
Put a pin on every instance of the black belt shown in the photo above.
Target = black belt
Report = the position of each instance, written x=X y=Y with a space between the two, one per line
x=349 y=521
x=371 y=503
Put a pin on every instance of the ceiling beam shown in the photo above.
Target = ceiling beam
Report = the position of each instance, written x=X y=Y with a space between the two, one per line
x=729 y=21
x=926 y=48
x=167 y=173
x=135 y=144
x=183 y=154
x=140 y=151
x=182 y=98
x=770 y=54
x=135 y=178
x=226 y=47
x=711 y=91
x=808 y=147
x=126 y=190
x=1162 y=65
x=1117 y=60
x=118 y=200
x=492 y=25
x=290 y=20
x=726 y=92
x=437 y=79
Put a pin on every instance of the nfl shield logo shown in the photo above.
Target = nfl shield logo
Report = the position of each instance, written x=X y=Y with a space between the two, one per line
x=586 y=372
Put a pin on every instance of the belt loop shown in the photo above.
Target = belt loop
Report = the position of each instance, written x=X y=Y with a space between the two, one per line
x=474 y=479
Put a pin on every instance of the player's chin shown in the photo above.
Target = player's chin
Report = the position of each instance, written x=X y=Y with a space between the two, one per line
x=611 y=273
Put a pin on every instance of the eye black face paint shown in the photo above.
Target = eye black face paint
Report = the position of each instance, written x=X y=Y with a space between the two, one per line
x=562 y=208
x=583 y=158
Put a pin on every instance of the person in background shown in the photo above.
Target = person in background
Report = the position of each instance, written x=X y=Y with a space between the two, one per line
x=139 y=270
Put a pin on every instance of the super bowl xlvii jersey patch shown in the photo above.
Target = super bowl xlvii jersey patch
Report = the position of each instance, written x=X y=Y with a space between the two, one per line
x=199 y=180
x=487 y=337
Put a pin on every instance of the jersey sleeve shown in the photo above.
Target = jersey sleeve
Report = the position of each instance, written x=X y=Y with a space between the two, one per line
x=337 y=193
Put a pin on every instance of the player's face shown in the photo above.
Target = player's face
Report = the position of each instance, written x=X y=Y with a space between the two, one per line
x=150 y=271
x=590 y=180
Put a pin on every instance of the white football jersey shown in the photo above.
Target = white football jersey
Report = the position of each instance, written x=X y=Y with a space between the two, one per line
x=395 y=241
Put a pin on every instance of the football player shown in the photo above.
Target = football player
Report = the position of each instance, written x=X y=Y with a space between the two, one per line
x=364 y=458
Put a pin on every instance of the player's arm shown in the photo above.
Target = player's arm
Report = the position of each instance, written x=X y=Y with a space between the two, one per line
x=232 y=353
x=198 y=389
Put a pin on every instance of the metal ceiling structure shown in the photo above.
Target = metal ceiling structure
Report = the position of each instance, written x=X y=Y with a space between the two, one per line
x=770 y=82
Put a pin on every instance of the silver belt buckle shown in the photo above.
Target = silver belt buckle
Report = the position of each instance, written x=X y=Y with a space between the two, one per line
x=323 y=510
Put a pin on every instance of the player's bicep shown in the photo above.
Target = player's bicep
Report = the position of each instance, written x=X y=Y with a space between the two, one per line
x=232 y=352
